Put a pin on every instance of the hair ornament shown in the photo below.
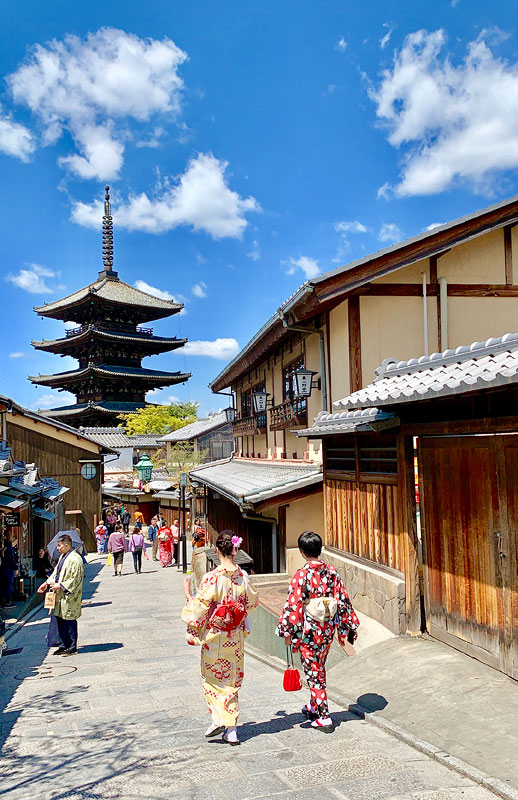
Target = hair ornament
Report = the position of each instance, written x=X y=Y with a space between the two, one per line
x=236 y=541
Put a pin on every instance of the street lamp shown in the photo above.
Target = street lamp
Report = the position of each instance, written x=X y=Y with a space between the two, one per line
x=144 y=468
x=302 y=382
x=230 y=414
x=260 y=401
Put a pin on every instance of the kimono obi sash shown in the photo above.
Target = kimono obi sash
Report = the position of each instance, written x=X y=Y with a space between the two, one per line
x=321 y=609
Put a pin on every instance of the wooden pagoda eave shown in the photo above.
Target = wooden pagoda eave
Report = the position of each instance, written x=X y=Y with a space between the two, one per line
x=103 y=376
x=69 y=311
x=151 y=344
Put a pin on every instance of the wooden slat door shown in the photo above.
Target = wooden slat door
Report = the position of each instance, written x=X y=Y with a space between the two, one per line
x=507 y=545
x=461 y=516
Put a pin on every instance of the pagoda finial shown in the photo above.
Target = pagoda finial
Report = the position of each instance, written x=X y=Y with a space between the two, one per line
x=107 y=234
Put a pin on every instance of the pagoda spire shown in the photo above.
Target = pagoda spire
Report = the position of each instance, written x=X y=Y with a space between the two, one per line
x=108 y=271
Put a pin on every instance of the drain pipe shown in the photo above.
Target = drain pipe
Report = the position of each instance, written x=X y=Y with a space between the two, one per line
x=275 y=536
x=320 y=332
x=443 y=305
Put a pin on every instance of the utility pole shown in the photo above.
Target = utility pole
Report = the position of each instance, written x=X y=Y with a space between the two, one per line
x=183 y=532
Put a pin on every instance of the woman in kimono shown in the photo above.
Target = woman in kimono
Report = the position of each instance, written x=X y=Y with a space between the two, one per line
x=224 y=597
x=317 y=605
x=101 y=534
x=165 y=552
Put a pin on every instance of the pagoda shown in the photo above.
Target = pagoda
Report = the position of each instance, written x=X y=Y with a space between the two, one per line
x=109 y=342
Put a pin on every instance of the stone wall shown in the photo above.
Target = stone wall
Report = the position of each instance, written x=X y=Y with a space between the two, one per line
x=379 y=593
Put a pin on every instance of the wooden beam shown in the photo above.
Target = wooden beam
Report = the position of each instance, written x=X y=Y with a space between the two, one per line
x=432 y=290
x=508 y=250
x=355 y=344
x=433 y=269
x=462 y=426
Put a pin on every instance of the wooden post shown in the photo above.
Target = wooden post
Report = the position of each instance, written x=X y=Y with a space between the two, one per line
x=355 y=344
x=408 y=532
x=508 y=250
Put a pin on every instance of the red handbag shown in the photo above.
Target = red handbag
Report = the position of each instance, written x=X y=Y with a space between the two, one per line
x=291 y=681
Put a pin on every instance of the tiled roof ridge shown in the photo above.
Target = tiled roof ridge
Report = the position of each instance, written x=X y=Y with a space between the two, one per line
x=495 y=344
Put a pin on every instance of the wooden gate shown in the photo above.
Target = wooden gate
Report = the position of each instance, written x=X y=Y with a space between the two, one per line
x=469 y=504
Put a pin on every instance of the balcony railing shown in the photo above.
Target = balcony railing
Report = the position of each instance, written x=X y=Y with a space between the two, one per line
x=111 y=326
x=248 y=426
x=286 y=415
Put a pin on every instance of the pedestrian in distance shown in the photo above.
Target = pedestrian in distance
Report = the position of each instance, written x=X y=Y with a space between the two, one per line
x=42 y=564
x=125 y=519
x=198 y=537
x=165 y=540
x=217 y=619
x=137 y=546
x=66 y=582
x=117 y=546
x=139 y=519
x=101 y=534
x=152 y=533
x=175 y=530
x=317 y=605
x=8 y=568
x=111 y=520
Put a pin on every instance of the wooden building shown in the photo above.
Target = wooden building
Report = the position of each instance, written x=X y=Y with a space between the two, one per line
x=109 y=343
x=454 y=414
x=211 y=438
x=435 y=291
x=62 y=453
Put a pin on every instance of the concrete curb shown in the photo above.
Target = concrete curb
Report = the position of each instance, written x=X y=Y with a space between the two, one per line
x=494 y=785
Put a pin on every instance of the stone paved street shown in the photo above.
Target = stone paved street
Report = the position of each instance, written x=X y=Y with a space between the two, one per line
x=125 y=718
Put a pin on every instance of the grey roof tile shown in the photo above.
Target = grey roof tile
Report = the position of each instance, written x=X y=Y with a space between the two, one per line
x=327 y=423
x=196 y=429
x=246 y=482
x=480 y=365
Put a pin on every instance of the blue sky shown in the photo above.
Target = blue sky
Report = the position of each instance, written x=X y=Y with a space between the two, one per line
x=249 y=146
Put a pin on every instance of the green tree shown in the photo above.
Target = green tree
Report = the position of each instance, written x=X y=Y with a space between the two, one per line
x=160 y=419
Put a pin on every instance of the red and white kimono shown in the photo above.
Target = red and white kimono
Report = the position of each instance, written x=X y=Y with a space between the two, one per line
x=311 y=638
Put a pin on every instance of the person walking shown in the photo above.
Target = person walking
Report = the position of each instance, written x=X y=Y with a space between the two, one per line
x=317 y=605
x=8 y=569
x=139 y=519
x=198 y=537
x=101 y=534
x=165 y=552
x=217 y=619
x=125 y=519
x=117 y=546
x=111 y=520
x=66 y=582
x=137 y=546
x=152 y=533
x=175 y=531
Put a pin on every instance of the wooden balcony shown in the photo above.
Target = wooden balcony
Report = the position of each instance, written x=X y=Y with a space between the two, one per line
x=248 y=426
x=111 y=326
x=286 y=415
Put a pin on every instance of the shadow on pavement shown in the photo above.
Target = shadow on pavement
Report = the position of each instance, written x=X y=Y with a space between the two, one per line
x=27 y=663
x=100 y=647
x=284 y=722
x=368 y=703
x=95 y=605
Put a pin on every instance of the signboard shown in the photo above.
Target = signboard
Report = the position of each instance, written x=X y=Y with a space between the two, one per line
x=12 y=519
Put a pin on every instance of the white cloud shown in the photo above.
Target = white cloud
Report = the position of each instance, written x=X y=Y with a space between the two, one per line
x=90 y=88
x=53 y=400
x=32 y=279
x=433 y=225
x=255 y=253
x=199 y=289
x=457 y=121
x=390 y=232
x=199 y=198
x=18 y=354
x=309 y=266
x=163 y=294
x=352 y=226
x=159 y=397
x=219 y=348
x=341 y=45
x=385 y=39
x=15 y=139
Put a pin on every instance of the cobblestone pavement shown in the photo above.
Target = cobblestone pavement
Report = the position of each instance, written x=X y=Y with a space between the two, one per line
x=125 y=718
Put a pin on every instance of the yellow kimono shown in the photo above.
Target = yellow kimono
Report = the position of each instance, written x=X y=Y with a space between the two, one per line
x=222 y=653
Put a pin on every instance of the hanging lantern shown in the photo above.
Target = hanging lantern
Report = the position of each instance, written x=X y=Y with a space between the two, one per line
x=260 y=401
x=144 y=468
x=302 y=382
x=230 y=414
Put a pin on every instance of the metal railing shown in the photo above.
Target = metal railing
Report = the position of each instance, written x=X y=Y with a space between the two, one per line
x=111 y=326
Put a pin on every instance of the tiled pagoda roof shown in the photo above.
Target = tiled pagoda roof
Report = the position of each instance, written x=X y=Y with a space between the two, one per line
x=151 y=343
x=106 y=371
x=110 y=290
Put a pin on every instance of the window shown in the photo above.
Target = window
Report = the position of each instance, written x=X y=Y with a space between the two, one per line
x=88 y=471
x=362 y=457
x=380 y=459
x=246 y=404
